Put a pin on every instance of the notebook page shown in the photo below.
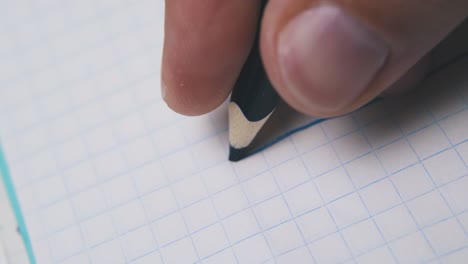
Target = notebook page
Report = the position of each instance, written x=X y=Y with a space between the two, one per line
x=106 y=173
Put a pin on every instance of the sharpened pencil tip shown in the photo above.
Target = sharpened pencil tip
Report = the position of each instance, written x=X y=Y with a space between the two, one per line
x=237 y=154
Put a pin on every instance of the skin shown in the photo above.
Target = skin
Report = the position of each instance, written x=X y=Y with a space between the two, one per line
x=207 y=42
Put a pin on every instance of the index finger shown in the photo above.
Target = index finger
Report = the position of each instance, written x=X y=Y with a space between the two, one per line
x=206 y=43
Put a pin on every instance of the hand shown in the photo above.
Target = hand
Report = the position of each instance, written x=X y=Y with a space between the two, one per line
x=324 y=58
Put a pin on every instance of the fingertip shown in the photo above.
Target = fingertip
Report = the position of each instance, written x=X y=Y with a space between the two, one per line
x=328 y=58
x=191 y=109
x=191 y=100
x=204 y=49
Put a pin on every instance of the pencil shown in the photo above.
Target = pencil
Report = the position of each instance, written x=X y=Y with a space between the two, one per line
x=253 y=100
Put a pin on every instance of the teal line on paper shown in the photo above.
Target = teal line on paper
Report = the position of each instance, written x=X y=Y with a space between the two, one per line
x=10 y=190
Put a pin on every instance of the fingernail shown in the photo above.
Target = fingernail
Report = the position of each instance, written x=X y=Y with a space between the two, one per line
x=327 y=58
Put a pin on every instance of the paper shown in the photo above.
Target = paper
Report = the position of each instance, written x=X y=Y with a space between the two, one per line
x=106 y=173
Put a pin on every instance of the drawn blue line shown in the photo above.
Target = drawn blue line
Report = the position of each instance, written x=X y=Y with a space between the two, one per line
x=298 y=129
x=10 y=190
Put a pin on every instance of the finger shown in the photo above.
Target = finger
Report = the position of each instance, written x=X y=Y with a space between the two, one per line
x=410 y=78
x=330 y=57
x=205 y=45
x=451 y=48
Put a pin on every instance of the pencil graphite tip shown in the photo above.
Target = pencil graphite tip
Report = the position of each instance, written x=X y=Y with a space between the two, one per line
x=237 y=154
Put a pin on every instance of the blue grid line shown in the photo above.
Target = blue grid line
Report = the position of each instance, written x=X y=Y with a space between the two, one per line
x=390 y=241
x=139 y=197
x=289 y=208
x=360 y=197
x=453 y=146
x=287 y=221
x=149 y=162
x=432 y=178
x=219 y=220
x=89 y=75
x=258 y=203
x=170 y=153
x=135 y=185
x=131 y=112
x=142 y=165
x=79 y=106
x=116 y=237
x=323 y=199
x=124 y=157
x=436 y=187
x=89 y=129
x=448 y=253
x=259 y=173
x=97 y=154
x=99 y=187
x=183 y=217
x=54 y=64
x=54 y=155
x=99 y=17
x=170 y=186
x=214 y=207
x=404 y=202
x=262 y=231
x=397 y=238
x=101 y=191
x=338 y=156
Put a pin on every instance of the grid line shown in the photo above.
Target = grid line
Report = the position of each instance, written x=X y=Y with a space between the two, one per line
x=138 y=26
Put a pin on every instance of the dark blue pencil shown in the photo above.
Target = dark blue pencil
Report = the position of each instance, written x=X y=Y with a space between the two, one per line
x=253 y=100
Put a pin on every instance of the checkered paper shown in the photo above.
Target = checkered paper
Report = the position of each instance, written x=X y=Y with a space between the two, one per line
x=106 y=173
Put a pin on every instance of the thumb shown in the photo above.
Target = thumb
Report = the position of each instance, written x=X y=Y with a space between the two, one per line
x=331 y=57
